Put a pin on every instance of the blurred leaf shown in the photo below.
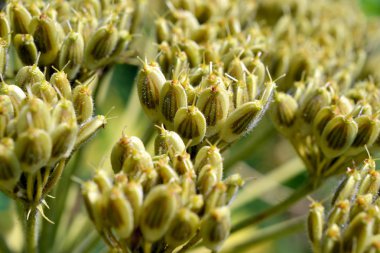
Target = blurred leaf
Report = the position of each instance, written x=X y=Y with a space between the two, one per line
x=4 y=202
x=370 y=7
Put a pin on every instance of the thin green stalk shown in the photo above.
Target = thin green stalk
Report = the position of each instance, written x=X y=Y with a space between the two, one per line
x=270 y=233
x=245 y=150
x=298 y=194
x=31 y=233
x=280 y=174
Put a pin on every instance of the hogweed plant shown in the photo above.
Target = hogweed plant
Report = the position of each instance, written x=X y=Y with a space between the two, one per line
x=209 y=72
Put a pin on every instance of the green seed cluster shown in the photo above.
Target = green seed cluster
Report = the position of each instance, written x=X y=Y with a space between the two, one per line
x=307 y=35
x=208 y=82
x=80 y=36
x=328 y=127
x=159 y=203
x=41 y=123
x=352 y=224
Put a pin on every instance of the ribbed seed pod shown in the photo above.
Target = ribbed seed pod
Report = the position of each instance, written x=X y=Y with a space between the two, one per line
x=15 y=93
x=368 y=132
x=358 y=232
x=89 y=128
x=340 y=213
x=193 y=52
x=3 y=55
x=182 y=164
x=172 y=98
x=10 y=170
x=209 y=155
x=214 y=103
x=95 y=204
x=190 y=124
x=347 y=187
x=136 y=164
x=44 y=31
x=62 y=84
x=168 y=142
x=33 y=149
x=100 y=45
x=162 y=30
x=361 y=204
x=126 y=146
x=63 y=139
x=313 y=102
x=29 y=75
x=370 y=183
x=165 y=171
x=149 y=84
x=338 y=136
x=120 y=213
x=315 y=222
x=46 y=92
x=63 y=112
x=160 y=207
x=284 y=111
x=234 y=182
x=241 y=121
x=324 y=116
x=35 y=113
x=333 y=239
x=71 y=54
x=83 y=102
x=19 y=18
x=215 y=227
x=25 y=48
x=207 y=178
x=135 y=195
x=5 y=29
x=183 y=227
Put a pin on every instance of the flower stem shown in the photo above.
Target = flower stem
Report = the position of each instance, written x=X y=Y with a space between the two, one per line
x=298 y=194
x=270 y=233
x=31 y=230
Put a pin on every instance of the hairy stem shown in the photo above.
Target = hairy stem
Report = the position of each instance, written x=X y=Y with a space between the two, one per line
x=31 y=233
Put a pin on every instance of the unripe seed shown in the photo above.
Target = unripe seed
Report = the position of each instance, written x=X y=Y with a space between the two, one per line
x=160 y=207
x=120 y=213
x=241 y=121
x=149 y=84
x=183 y=227
x=71 y=54
x=315 y=222
x=44 y=31
x=33 y=148
x=19 y=18
x=338 y=136
x=25 y=48
x=29 y=75
x=214 y=103
x=35 y=113
x=10 y=170
x=126 y=146
x=215 y=227
x=62 y=84
x=190 y=124
x=83 y=102
x=172 y=98
x=100 y=45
